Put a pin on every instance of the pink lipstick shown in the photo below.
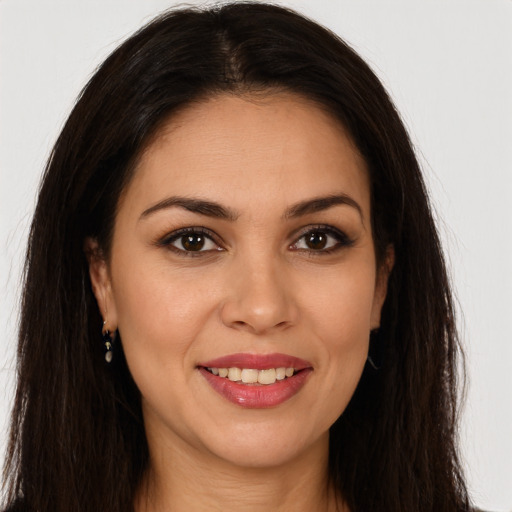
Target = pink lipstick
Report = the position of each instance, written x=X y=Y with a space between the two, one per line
x=256 y=380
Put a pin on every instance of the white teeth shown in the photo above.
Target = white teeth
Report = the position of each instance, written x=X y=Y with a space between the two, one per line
x=267 y=376
x=249 y=376
x=235 y=374
x=280 y=373
x=252 y=376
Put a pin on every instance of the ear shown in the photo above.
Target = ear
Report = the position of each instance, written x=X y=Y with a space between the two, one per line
x=101 y=283
x=381 y=286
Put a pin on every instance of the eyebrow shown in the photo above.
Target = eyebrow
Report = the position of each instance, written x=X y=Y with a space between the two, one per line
x=319 y=204
x=200 y=206
x=213 y=209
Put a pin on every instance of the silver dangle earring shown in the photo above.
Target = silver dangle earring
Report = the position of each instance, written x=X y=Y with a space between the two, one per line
x=372 y=364
x=107 y=342
x=373 y=342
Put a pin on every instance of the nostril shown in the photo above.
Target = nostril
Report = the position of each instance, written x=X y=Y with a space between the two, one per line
x=258 y=313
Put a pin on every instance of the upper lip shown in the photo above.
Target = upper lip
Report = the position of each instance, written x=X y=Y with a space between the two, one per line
x=257 y=361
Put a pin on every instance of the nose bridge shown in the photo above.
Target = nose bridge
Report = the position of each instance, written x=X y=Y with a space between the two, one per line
x=259 y=299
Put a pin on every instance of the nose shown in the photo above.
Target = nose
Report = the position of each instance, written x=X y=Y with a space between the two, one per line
x=260 y=298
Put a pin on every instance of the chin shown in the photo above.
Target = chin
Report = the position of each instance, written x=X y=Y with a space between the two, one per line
x=264 y=448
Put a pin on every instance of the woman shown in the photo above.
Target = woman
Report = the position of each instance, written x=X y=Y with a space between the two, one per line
x=235 y=294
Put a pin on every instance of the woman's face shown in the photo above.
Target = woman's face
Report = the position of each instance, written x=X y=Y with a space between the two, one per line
x=243 y=245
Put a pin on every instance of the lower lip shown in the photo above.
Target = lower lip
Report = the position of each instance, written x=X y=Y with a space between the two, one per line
x=254 y=396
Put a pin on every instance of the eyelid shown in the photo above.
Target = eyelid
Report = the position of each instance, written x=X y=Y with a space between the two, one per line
x=343 y=238
x=166 y=240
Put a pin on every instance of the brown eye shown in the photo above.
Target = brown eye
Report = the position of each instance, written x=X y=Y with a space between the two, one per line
x=316 y=240
x=193 y=242
x=322 y=240
x=190 y=241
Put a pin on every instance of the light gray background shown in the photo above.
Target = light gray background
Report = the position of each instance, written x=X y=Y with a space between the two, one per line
x=448 y=65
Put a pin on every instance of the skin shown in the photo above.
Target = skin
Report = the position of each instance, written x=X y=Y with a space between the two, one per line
x=256 y=288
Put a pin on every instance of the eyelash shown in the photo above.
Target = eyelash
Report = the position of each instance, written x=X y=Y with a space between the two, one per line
x=168 y=240
x=341 y=240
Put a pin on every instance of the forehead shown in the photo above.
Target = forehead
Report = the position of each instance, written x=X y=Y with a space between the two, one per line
x=236 y=149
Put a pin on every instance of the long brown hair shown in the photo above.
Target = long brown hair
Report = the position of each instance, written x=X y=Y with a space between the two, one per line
x=77 y=440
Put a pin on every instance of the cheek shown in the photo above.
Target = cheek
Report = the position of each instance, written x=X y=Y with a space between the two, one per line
x=340 y=317
x=342 y=307
x=159 y=316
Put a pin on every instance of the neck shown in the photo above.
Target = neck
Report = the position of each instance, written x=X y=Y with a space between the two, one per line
x=184 y=479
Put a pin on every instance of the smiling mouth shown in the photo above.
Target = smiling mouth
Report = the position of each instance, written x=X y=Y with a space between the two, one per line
x=256 y=381
x=256 y=389
x=252 y=376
